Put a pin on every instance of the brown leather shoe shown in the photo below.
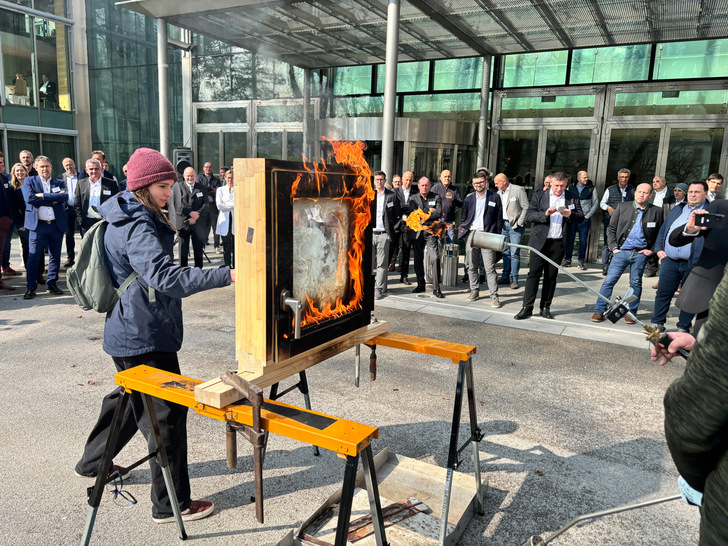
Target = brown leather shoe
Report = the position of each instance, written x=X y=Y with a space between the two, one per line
x=629 y=320
x=597 y=317
x=4 y=286
x=391 y=267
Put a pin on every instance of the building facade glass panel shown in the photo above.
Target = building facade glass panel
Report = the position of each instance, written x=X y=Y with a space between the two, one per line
x=636 y=150
x=353 y=80
x=347 y=107
x=52 y=53
x=692 y=60
x=208 y=148
x=19 y=77
x=456 y=74
x=236 y=145
x=222 y=115
x=609 y=64
x=270 y=145
x=279 y=113
x=550 y=106
x=294 y=145
x=517 y=157
x=453 y=106
x=693 y=154
x=710 y=101
x=535 y=69
x=19 y=141
x=411 y=77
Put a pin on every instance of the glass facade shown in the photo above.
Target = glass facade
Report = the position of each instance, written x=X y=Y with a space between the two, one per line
x=693 y=154
x=535 y=69
x=692 y=60
x=610 y=64
x=710 y=101
x=549 y=106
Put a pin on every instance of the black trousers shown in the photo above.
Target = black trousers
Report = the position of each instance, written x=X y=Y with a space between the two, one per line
x=172 y=424
x=228 y=249
x=394 y=247
x=71 y=234
x=554 y=249
x=198 y=243
x=405 y=244
x=211 y=224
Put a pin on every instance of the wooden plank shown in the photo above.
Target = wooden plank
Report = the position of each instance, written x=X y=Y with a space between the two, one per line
x=434 y=347
x=217 y=394
x=250 y=264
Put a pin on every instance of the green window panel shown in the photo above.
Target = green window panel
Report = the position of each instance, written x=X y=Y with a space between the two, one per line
x=452 y=106
x=535 y=69
x=279 y=113
x=411 y=77
x=610 y=64
x=222 y=115
x=19 y=141
x=236 y=145
x=690 y=60
x=454 y=74
x=710 y=101
x=347 y=107
x=294 y=142
x=208 y=149
x=270 y=145
x=353 y=80
x=693 y=154
x=548 y=106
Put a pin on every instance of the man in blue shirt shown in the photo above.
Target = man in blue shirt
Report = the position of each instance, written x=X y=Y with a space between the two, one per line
x=631 y=236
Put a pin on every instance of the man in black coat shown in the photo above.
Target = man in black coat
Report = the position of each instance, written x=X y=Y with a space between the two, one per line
x=631 y=238
x=92 y=192
x=708 y=271
x=548 y=211
x=385 y=214
x=404 y=192
x=190 y=206
x=429 y=203
x=210 y=183
x=482 y=211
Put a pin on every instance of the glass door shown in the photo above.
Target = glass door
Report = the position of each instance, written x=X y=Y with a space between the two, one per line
x=567 y=150
x=518 y=157
x=693 y=154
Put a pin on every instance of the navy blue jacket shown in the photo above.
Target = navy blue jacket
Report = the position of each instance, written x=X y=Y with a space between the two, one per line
x=57 y=199
x=492 y=215
x=696 y=242
x=138 y=240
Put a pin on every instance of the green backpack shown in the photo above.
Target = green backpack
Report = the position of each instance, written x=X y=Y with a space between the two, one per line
x=89 y=280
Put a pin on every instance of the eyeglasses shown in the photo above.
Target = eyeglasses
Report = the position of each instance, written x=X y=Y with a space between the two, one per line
x=479 y=183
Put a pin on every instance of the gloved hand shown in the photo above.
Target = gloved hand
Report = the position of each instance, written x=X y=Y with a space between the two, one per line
x=689 y=495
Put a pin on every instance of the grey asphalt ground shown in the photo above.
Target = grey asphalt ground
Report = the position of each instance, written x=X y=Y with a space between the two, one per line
x=571 y=411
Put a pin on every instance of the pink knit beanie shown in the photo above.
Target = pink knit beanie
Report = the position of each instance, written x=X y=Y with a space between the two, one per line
x=147 y=166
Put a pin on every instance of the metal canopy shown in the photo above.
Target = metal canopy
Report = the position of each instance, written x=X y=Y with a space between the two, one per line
x=326 y=33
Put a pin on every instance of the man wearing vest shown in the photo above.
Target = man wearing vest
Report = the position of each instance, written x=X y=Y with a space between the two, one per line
x=621 y=192
x=631 y=237
x=676 y=262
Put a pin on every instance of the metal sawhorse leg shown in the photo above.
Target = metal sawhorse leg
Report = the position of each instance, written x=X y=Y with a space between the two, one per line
x=95 y=492
x=302 y=386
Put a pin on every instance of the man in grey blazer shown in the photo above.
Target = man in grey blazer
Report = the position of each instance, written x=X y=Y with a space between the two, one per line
x=190 y=207
x=515 y=204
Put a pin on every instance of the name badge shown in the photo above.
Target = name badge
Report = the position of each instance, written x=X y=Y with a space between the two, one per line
x=390 y=205
x=491 y=203
x=106 y=192
x=651 y=224
x=198 y=194
x=513 y=199
x=55 y=190
x=7 y=186
x=571 y=207
x=432 y=203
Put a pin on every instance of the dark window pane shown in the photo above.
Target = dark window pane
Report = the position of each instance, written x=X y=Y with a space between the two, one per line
x=517 y=157
x=17 y=51
x=19 y=141
x=701 y=59
x=294 y=141
x=270 y=145
x=208 y=148
x=636 y=150
x=693 y=154
x=221 y=115
x=57 y=148
x=608 y=64
x=236 y=145
x=410 y=77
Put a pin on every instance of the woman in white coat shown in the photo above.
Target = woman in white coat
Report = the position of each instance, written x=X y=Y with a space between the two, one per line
x=225 y=200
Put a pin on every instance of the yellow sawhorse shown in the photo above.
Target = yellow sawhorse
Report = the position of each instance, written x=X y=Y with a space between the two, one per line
x=459 y=354
x=346 y=438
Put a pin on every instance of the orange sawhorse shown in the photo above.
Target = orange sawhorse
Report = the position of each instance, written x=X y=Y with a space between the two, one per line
x=346 y=438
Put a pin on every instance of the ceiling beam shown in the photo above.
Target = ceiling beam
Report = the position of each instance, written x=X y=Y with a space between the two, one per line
x=552 y=22
x=505 y=23
x=598 y=16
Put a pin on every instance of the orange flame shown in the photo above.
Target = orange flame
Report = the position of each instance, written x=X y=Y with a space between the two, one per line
x=358 y=199
x=416 y=222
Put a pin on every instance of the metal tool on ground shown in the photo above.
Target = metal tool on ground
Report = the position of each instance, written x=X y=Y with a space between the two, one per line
x=253 y=434
x=539 y=541
x=616 y=310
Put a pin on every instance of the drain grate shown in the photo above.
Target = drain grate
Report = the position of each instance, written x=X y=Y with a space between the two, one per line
x=227 y=329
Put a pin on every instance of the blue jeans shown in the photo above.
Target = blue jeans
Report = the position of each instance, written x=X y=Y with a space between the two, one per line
x=511 y=255
x=570 y=237
x=672 y=274
x=620 y=261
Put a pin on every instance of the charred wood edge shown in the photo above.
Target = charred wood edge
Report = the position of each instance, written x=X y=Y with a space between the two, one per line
x=253 y=434
x=392 y=514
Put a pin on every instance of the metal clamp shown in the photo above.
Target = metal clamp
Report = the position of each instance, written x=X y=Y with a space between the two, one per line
x=287 y=300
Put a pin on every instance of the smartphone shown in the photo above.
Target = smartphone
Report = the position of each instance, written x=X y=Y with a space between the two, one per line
x=710 y=220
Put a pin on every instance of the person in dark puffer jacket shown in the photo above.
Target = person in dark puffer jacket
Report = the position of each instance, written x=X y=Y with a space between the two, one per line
x=146 y=329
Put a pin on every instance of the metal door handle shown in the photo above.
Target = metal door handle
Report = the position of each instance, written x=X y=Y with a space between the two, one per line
x=287 y=300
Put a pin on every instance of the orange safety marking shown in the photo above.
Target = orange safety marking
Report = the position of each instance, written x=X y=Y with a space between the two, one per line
x=454 y=351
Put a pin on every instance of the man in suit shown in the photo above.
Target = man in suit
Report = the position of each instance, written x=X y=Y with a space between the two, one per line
x=385 y=215
x=708 y=270
x=715 y=182
x=451 y=201
x=429 y=203
x=100 y=156
x=26 y=158
x=404 y=192
x=48 y=93
x=190 y=206
x=396 y=246
x=515 y=204
x=210 y=182
x=90 y=193
x=618 y=193
x=482 y=211
x=661 y=197
x=548 y=212
x=45 y=219
x=677 y=262
x=70 y=177
x=633 y=230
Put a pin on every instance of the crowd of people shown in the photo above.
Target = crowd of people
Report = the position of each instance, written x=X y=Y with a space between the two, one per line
x=46 y=210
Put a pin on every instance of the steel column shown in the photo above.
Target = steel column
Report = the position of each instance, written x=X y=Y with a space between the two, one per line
x=483 y=122
x=390 y=88
x=163 y=84
x=307 y=112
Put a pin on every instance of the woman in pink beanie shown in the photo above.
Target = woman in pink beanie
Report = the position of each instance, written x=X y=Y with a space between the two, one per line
x=145 y=326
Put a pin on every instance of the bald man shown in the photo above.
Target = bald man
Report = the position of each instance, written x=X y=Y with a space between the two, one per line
x=631 y=237
x=190 y=205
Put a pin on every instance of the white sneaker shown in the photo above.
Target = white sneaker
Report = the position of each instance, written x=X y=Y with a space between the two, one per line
x=495 y=302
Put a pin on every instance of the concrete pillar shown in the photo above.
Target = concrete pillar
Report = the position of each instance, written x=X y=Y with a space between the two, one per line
x=163 y=84
x=390 y=88
x=307 y=113
x=483 y=122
